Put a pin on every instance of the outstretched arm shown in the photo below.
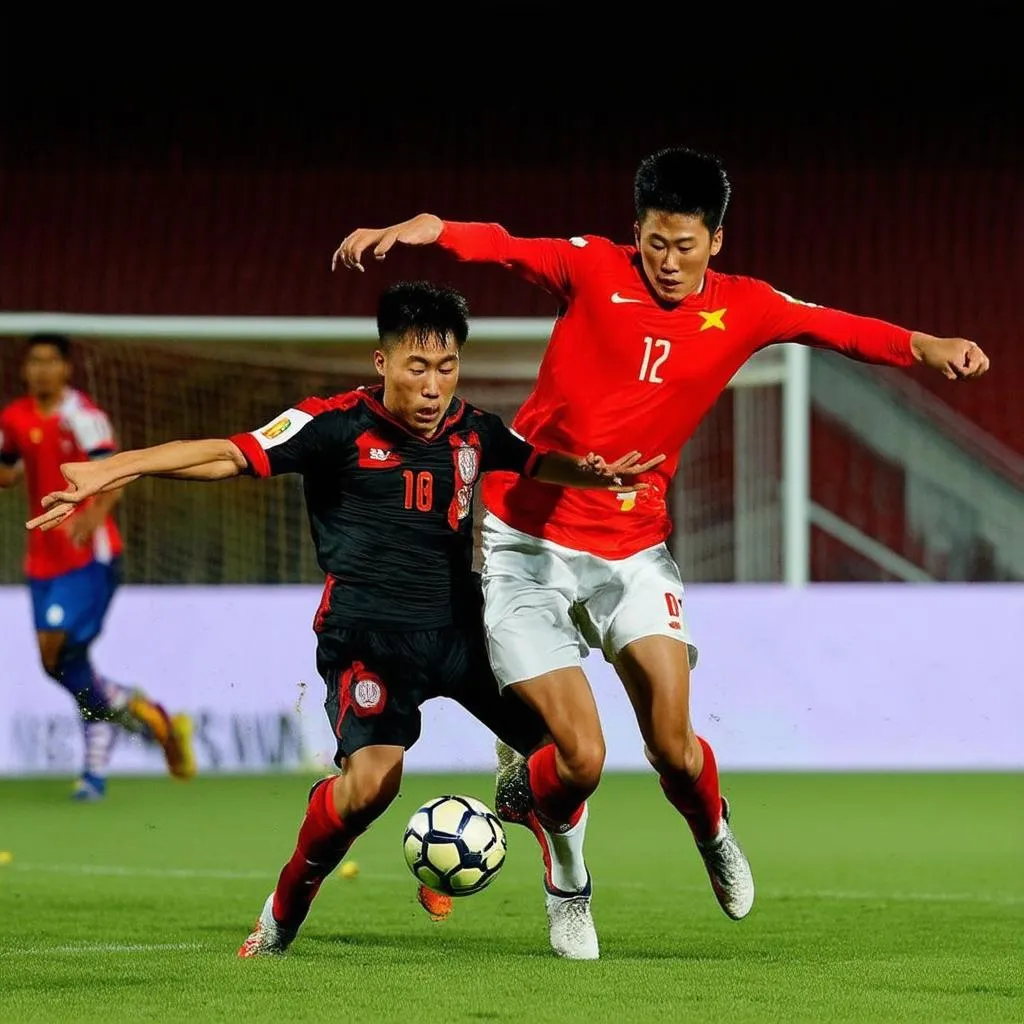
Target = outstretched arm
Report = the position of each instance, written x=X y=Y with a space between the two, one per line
x=505 y=450
x=214 y=459
x=867 y=339
x=591 y=471
x=549 y=262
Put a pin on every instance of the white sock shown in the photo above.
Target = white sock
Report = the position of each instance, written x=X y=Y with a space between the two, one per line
x=99 y=743
x=568 y=869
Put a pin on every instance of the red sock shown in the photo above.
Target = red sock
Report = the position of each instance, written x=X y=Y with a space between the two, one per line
x=557 y=805
x=698 y=801
x=324 y=840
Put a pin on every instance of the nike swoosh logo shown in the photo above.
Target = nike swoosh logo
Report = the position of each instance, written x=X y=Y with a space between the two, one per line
x=617 y=298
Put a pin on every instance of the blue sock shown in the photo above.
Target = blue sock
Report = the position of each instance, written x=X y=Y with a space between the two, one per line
x=79 y=679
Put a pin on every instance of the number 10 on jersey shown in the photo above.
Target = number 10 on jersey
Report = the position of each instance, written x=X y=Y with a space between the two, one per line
x=656 y=351
x=419 y=489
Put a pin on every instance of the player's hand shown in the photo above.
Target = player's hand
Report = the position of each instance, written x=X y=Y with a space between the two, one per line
x=52 y=517
x=954 y=358
x=423 y=229
x=626 y=468
x=84 y=480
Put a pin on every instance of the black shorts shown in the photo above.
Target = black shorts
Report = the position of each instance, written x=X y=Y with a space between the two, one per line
x=377 y=681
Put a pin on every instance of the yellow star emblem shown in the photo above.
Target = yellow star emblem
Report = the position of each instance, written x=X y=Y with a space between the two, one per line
x=713 y=319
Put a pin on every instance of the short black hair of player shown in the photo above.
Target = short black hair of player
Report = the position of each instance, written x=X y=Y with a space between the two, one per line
x=422 y=311
x=682 y=180
x=59 y=341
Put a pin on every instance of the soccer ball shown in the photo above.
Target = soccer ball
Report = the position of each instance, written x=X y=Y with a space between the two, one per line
x=455 y=845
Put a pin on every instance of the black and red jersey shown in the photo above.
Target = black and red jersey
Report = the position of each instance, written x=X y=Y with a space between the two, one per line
x=390 y=511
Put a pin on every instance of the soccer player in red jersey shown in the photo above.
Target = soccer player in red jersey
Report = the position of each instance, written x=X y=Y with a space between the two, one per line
x=74 y=572
x=646 y=339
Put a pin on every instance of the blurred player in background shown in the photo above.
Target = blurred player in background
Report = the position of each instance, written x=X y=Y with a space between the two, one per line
x=646 y=339
x=388 y=473
x=74 y=572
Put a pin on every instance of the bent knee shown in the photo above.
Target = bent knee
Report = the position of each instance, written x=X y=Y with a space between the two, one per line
x=584 y=761
x=51 y=654
x=675 y=753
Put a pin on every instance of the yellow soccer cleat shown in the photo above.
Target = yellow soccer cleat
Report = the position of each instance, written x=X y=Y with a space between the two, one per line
x=174 y=734
x=181 y=757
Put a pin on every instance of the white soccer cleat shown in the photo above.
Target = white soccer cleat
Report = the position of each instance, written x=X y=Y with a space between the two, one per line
x=268 y=938
x=570 y=921
x=571 y=925
x=728 y=869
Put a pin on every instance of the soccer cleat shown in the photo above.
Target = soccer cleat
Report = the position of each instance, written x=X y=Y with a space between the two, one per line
x=436 y=904
x=267 y=938
x=570 y=921
x=512 y=800
x=181 y=758
x=173 y=734
x=571 y=924
x=88 y=788
x=728 y=869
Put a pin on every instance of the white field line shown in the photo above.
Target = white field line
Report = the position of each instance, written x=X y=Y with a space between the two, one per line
x=92 y=948
x=121 y=871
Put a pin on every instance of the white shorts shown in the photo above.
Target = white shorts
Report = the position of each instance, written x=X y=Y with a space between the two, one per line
x=546 y=606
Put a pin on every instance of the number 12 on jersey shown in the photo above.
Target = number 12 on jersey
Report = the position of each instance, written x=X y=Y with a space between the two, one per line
x=656 y=351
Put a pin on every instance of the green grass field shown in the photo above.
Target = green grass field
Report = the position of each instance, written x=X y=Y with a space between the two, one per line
x=881 y=898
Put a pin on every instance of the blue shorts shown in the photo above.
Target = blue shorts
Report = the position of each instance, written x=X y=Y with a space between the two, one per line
x=77 y=602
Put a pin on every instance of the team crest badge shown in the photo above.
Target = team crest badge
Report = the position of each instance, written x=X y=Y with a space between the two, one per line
x=469 y=464
x=466 y=456
x=366 y=691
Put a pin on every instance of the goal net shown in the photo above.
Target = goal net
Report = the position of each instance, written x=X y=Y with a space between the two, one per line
x=166 y=379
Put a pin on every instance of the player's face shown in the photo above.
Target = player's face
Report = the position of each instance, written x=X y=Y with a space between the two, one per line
x=419 y=381
x=675 y=249
x=46 y=371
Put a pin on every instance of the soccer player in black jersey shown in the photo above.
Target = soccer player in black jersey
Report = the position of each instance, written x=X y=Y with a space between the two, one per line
x=388 y=474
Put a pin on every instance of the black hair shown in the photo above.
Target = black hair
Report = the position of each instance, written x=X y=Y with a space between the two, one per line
x=422 y=311
x=59 y=341
x=681 y=180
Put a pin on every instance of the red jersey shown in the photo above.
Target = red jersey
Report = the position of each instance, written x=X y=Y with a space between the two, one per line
x=75 y=431
x=624 y=371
